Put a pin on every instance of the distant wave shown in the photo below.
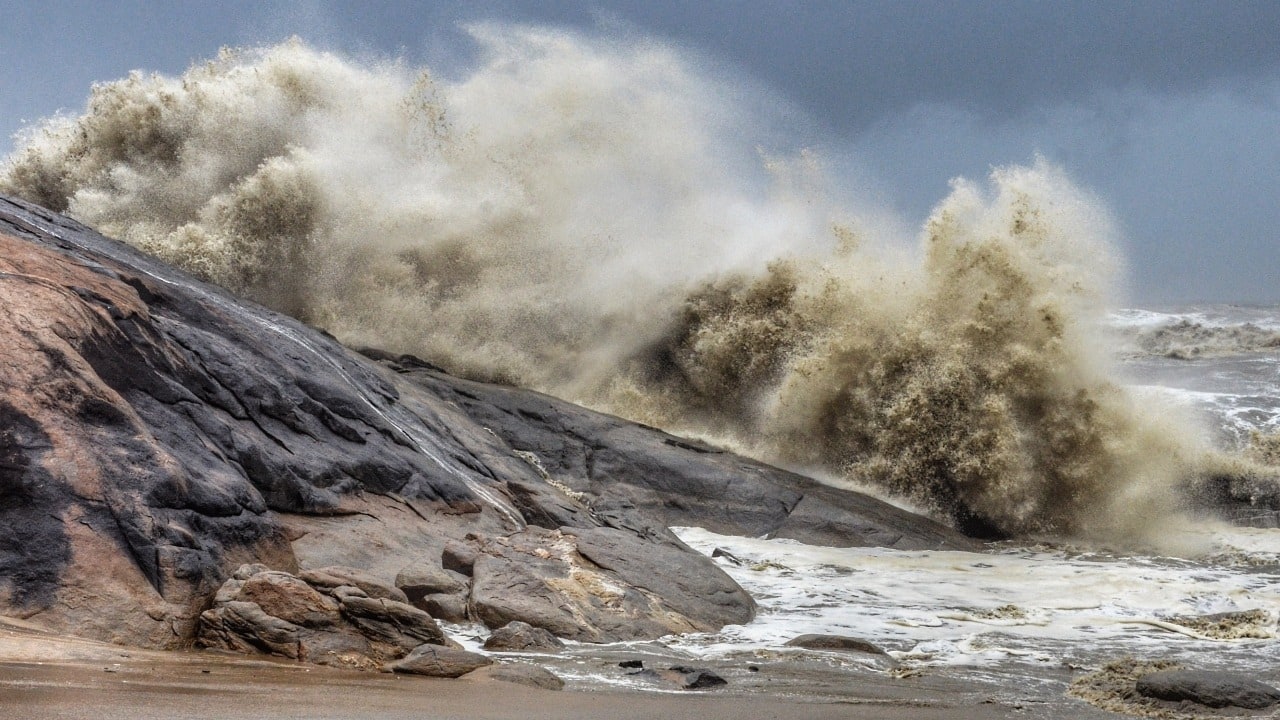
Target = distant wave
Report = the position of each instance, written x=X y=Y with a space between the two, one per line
x=1185 y=338
x=591 y=218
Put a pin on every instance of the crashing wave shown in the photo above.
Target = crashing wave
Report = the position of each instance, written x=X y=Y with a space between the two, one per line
x=582 y=217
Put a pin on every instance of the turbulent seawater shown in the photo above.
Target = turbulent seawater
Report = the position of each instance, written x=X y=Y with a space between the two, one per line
x=596 y=218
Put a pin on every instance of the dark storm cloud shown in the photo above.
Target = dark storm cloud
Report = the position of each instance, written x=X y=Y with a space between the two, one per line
x=1168 y=110
x=855 y=63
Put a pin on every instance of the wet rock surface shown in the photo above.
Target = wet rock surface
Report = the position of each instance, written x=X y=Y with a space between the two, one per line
x=834 y=643
x=157 y=434
x=1213 y=689
x=518 y=673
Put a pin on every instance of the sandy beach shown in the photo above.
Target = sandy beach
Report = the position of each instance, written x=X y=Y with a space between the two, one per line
x=58 y=678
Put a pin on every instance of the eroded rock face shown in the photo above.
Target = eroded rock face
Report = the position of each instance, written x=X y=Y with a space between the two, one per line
x=156 y=434
x=277 y=613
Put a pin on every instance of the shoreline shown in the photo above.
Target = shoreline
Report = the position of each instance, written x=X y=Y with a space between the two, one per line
x=54 y=677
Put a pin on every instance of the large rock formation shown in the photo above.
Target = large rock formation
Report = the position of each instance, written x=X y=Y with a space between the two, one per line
x=156 y=434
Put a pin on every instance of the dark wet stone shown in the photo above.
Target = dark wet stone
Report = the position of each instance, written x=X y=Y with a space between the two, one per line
x=835 y=643
x=1210 y=688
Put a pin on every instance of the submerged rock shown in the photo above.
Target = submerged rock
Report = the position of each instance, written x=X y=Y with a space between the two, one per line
x=683 y=678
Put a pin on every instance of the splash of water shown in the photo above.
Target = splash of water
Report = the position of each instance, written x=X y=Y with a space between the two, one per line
x=581 y=216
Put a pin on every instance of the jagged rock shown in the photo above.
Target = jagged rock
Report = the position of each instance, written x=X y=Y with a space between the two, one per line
x=436 y=661
x=280 y=614
x=1210 y=688
x=522 y=637
x=518 y=673
x=837 y=643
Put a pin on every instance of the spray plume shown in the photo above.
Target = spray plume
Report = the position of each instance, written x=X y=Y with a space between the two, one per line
x=582 y=217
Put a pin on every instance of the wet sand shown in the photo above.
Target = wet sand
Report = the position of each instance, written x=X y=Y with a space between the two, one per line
x=44 y=676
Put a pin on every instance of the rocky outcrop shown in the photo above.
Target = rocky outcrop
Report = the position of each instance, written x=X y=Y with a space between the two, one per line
x=277 y=613
x=632 y=475
x=156 y=434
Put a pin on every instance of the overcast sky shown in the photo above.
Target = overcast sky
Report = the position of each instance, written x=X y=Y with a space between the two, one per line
x=1170 y=111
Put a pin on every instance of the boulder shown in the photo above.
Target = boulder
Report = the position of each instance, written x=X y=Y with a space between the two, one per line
x=518 y=673
x=522 y=637
x=1210 y=688
x=437 y=661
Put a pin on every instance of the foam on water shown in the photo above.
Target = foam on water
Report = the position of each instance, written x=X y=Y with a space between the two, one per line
x=1016 y=605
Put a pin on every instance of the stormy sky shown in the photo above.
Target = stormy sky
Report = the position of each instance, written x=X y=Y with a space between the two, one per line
x=1169 y=110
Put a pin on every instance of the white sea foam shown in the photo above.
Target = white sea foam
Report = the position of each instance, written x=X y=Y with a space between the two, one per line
x=1016 y=605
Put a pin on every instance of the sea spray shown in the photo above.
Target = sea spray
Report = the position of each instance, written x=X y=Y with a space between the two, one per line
x=584 y=217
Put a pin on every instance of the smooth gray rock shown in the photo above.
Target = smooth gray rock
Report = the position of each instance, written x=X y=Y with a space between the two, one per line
x=686 y=581
x=438 y=661
x=518 y=673
x=336 y=576
x=636 y=477
x=449 y=608
x=522 y=637
x=421 y=579
x=1210 y=688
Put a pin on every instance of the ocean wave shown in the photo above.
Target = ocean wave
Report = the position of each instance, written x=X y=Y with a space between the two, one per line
x=593 y=219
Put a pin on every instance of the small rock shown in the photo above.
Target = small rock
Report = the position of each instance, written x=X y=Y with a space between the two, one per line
x=458 y=557
x=439 y=661
x=683 y=678
x=837 y=643
x=450 y=608
x=517 y=636
x=422 y=579
x=518 y=673
x=633 y=664
x=1214 y=689
x=722 y=553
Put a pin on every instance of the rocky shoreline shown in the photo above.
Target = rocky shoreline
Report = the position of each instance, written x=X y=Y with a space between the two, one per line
x=181 y=469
